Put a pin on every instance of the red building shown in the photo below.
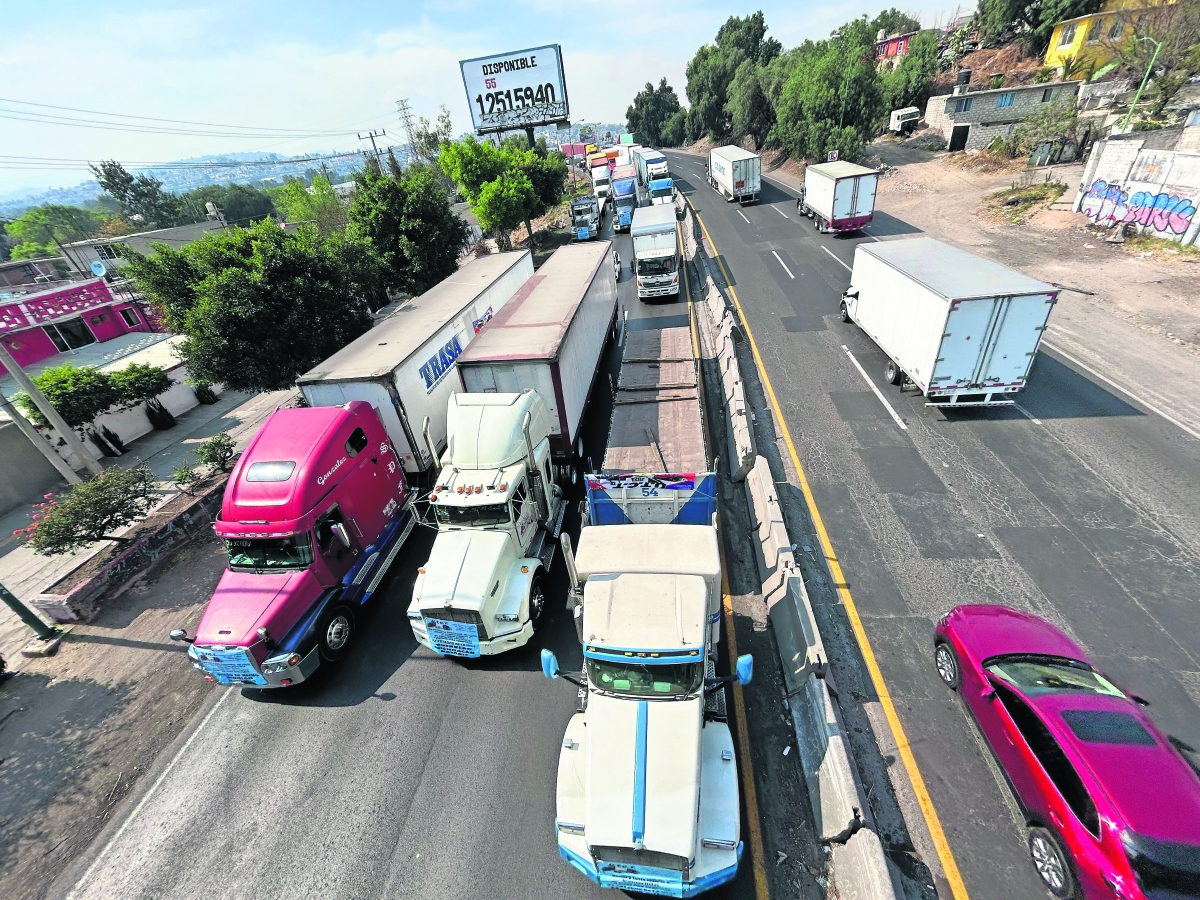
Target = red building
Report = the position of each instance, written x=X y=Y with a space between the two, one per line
x=894 y=46
x=65 y=317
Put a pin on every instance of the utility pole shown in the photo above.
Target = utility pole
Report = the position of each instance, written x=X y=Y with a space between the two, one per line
x=410 y=128
x=28 y=616
x=372 y=135
x=38 y=441
x=51 y=414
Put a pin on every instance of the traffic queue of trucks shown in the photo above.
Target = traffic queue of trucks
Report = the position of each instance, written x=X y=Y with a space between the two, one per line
x=624 y=196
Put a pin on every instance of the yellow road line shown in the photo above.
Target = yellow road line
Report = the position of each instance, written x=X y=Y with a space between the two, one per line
x=949 y=866
x=761 y=890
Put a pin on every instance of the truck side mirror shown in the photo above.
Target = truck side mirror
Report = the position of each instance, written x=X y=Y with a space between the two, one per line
x=745 y=668
x=180 y=634
x=549 y=664
x=342 y=534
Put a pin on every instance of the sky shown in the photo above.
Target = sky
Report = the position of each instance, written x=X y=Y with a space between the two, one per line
x=332 y=69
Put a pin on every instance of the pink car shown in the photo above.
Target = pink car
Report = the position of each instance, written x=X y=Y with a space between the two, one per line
x=1112 y=804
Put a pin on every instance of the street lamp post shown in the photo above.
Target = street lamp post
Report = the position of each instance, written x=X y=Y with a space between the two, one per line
x=1142 y=86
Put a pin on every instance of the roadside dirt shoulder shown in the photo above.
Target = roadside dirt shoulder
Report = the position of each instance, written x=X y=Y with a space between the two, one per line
x=78 y=730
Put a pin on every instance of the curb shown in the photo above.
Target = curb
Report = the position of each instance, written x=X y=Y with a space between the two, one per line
x=841 y=815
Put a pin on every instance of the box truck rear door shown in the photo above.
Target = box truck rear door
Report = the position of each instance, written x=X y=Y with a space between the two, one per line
x=1016 y=338
x=864 y=195
x=963 y=342
x=844 y=198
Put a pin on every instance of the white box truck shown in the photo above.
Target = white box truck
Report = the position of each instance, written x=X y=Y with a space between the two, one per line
x=735 y=172
x=404 y=366
x=655 y=251
x=549 y=339
x=963 y=329
x=838 y=196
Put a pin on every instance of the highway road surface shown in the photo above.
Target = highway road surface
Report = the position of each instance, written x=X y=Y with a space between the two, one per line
x=1081 y=505
x=401 y=774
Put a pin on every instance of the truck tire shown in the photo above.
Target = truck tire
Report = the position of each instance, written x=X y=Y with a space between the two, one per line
x=335 y=633
x=893 y=373
x=537 y=600
x=843 y=313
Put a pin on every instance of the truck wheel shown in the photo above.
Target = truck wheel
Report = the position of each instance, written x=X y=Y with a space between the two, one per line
x=537 y=600
x=843 y=313
x=335 y=633
x=893 y=373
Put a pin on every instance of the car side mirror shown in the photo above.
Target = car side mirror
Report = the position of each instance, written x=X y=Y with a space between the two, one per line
x=180 y=634
x=549 y=664
x=1140 y=701
x=745 y=668
x=342 y=534
x=988 y=692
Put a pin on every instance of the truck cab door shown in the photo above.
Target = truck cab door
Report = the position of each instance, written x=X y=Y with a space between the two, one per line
x=524 y=515
x=332 y=542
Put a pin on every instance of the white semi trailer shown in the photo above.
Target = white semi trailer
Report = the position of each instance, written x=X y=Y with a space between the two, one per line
x=963 y=329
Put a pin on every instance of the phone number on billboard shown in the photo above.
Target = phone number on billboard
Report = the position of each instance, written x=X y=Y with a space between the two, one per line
x=510 y=100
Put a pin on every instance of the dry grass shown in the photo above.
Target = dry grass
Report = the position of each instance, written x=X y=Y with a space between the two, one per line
x=1014 y=205
x=1017 y=68
x=984 y=162
x=1147 y=247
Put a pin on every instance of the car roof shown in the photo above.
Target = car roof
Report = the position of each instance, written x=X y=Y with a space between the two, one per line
x=1155 y=790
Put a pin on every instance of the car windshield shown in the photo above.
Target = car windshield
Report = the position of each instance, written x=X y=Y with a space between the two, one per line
x=257 y=554
x=1051 y=675
x=636 y=680
x=471 y=516
x=1165 y=870
x=663 y=265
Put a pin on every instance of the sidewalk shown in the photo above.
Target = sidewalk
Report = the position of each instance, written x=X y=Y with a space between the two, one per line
x=25 y=573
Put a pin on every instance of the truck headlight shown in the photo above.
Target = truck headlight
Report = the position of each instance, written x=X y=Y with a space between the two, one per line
x=714 y=844
x=570 y=828
x=507 y=617
x=279 y=663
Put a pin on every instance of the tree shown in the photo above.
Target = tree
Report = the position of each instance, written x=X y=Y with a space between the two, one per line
x=140 y=382
x=750 y=111
x=142 y=198
x=1050 y=122
x=429 y=137
x=409 y=222
x=674 y=130
x=711 y=71
x=892 y=21
x=504 y=203
x=43 y=228
x=319 y=205
x=78 y=394
x=911 y=82
x=471 y=164
x=1177 y=28
x=92 y=510
x=650 y=111
x=393 y=164
x=240 y=203
x=217 y=452
x=833 y=96
x=259 y=306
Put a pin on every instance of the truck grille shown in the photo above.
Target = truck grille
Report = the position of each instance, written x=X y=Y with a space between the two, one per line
x=466 y=616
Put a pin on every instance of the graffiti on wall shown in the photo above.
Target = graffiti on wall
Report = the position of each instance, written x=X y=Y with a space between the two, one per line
x=1162 y=212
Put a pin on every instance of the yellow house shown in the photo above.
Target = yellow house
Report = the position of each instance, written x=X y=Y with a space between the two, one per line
x=1092 y=38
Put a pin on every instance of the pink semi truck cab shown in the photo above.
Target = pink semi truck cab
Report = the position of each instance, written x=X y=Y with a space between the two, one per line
x=313 y=515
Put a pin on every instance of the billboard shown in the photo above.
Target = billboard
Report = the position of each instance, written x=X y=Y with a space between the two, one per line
x=516 y=90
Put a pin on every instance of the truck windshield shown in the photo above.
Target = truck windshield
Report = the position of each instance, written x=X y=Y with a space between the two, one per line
x=471 y=516
x=655 y=193
x=663 y=265
x=634 y=680
x=257 y=554
x=625 y=202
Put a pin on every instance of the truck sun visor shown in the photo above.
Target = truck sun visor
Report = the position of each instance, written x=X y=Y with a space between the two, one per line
x=280 y=470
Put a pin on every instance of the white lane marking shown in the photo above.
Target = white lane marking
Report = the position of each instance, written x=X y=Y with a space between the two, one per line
x=150 y=793
x=1128 y=393
x=1027 y=414
x=830 y=252
x=743 y=215
x=871 y=385
x=782 y=263
x=780 y=211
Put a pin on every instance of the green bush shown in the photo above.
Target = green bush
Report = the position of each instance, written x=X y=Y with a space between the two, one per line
x=140 y=382
x=1044 y=74
x=78 y=394
x=186 y=477
x=217 y=452
x=103 y=503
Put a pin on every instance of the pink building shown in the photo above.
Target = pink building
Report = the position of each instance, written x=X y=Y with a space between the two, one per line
x=65 y=317
x=894 y=46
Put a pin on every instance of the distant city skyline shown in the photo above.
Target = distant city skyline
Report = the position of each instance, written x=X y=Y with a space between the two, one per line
x=300 y=68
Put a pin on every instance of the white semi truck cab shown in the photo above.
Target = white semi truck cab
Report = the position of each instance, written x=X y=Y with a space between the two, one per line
x=647 y=796
x=498 y=513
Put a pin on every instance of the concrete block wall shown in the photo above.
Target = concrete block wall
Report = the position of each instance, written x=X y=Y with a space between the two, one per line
x=987 y=120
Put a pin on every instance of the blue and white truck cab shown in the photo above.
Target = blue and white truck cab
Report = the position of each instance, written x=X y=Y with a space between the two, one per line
x=648 y=795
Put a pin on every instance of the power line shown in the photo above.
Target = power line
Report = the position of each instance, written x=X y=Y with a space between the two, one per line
x=94 y=112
